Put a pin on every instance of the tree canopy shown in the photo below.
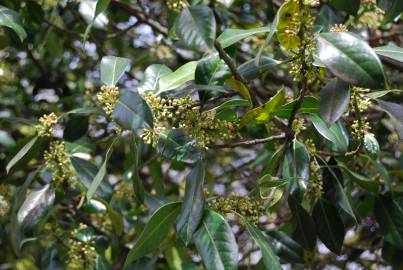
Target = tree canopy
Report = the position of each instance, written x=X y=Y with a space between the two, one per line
x=196 y=134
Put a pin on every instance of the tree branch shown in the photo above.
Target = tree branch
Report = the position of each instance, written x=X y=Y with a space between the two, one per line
x=249 y=142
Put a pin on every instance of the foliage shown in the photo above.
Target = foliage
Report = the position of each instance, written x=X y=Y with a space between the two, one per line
x=201 y=134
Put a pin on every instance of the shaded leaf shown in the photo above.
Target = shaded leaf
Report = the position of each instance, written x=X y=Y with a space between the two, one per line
x=211 y=70
x=21 y=153
x=155 y=231
x=329 y=225
x=132 y=111
x=395 y=112
x=304 y=226
x=334 y=98
x=361 y=180
x=349 y=6
x=285 y=247
x=193 y=203
x=393 y=52
x=333 y=134
x=195 y=27
x=270 y=259
x=249 y=70
x=309 y=104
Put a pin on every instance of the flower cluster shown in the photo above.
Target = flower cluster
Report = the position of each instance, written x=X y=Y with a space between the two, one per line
x=338 y=28
x=124 y=191
x=298 y=125
x=5 y=195
x=244 y=205
x=372 y=15
x=360 y=126
x=107 y=98
x=161 y=52
x=58 y=163
x=310 y=146
x=360 y=129
x=81 y=255
x=102 y=221
x=358 y=94
x=45 y=128
x=314 y=189
x=202 y=126
x=176 y=5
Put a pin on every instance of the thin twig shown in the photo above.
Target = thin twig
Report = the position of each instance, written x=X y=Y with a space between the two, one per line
x=249 y=142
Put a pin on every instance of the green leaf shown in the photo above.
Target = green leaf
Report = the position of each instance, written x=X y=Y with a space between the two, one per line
x=11 y=19
x=351 y=59
x=195 y=27
x=334 y=98
x=288 y=11
x=392 y=10
x=329 y=225
x=285 y=247
x=178 y=77
x=155 y=231
x=393 y=52
x=233 y=103
x=349 y=6
x=361 y=180
x=333 y=134
x=175 y=144
x=389 y=215
x=378 y=94
x=132 y=112
x=249 y=70
x=113 y=68
x=35 y=207
x=21 y=153
x=270 y=259
x=193 y=203
x=395 y=112
x=101 y=173
x=86 y=172
x=239 y=87
x=267 y=183
x=152 y=74
x=264 y=113
x=100 y=7
x=296 y=168
x=304 y=226
x=232 y=36
x=211 y=70
x=371 y=144
x=309 y=104
x=216 y=243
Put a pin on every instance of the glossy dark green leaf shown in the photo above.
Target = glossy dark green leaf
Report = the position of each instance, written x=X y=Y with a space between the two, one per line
x=232 y=36
x=11 y=19
x=233 y=103
x=150 y=80
x=216 y=243
x=296 y=168
x=329 y=225
x=35 y=207
x=285 y=247
x=334 y=98
x=264 y=113
x=76 y=127
x=349 y=6
x=304 y=226
x=395 y=111
x=113 y=68
x=334 y=134
x=378 y=94
x=211 y=70
x=196 y=27
x=176 y=145
x=177 y=78
x=86 y=172
x=393 y=9
x=250 y=71
x=309 y=104
x=270 y=259
x=193 y=203
x=132 y=112
x=21 y=153
x=101 y=263
x=155 y=231
x=361 y=180
x=351 y=59
x=393 y=52
x=390 y=217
